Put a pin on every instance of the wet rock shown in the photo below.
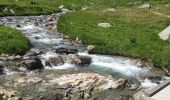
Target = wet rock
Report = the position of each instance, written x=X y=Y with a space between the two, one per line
x=38 y=51
x=18 y=25
x=55 y=61
x=30 y=53
x=1 y=69
x=66 y=51
x=120 y=83
x=155 y=79
x=84 y=60
x=73 y=59
x=33 y=64
x=47 y=63
x=104 y=25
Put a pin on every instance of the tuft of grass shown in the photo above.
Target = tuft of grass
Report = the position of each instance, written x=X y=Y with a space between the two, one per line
x=12 y=41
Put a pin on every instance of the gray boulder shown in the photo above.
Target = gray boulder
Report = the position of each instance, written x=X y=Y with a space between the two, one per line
x=66 y=51
x=54 y=61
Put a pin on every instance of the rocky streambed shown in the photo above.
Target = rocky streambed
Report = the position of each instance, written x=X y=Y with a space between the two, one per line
x=58 y=68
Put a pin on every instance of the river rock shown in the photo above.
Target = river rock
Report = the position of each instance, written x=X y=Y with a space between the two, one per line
x=55 y=61
x=90 y=47
x=47 y=63
x=11 y=58
x=78 y=40
x=50 y=18
x=1 y=69
x=120 y=83
x=30 y=53
x=73 y=59
x=104 y=25
x=38 y=51
x=33 y=64
x=66 y=51
x=84 y=60
x=3 y=58
x=9 y=93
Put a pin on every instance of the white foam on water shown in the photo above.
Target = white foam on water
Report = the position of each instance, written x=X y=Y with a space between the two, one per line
x=48 y=55
x=28 y=27
x=9 y=72
x=48 y=40
x=51 y=54
x=120 y=65
x=146 y=84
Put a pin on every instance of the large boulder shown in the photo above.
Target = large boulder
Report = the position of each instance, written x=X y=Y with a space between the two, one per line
x=66 y=51
x=55 y=61
x=33 y=64
x=84 y=60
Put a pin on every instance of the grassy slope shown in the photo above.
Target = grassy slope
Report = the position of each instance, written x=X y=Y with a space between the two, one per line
x=12 y=41
x=133 y=32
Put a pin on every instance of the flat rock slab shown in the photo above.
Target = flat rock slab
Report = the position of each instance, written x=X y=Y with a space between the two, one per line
x=163 y=94
x=165 y=34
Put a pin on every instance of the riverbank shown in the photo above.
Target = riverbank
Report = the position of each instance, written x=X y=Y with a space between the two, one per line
x=12 y=41
x=131 y=32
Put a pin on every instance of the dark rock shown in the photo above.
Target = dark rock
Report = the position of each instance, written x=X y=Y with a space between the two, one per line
x=47 y=63
x=66 y=51
x=55 y=61
x=84 y=60
x=1 y=97
x=1 y=69
x=33 y=64
x=155 y=79
x=18 y=25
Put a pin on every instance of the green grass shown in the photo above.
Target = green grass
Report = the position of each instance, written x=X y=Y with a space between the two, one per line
x=35 y=7
x=12 y=41
x=133 y=33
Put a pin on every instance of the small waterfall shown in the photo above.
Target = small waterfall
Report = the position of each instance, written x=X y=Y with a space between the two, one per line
x=121 y=65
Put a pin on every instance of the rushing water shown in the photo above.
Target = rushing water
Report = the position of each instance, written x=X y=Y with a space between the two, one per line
x=41 y=37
